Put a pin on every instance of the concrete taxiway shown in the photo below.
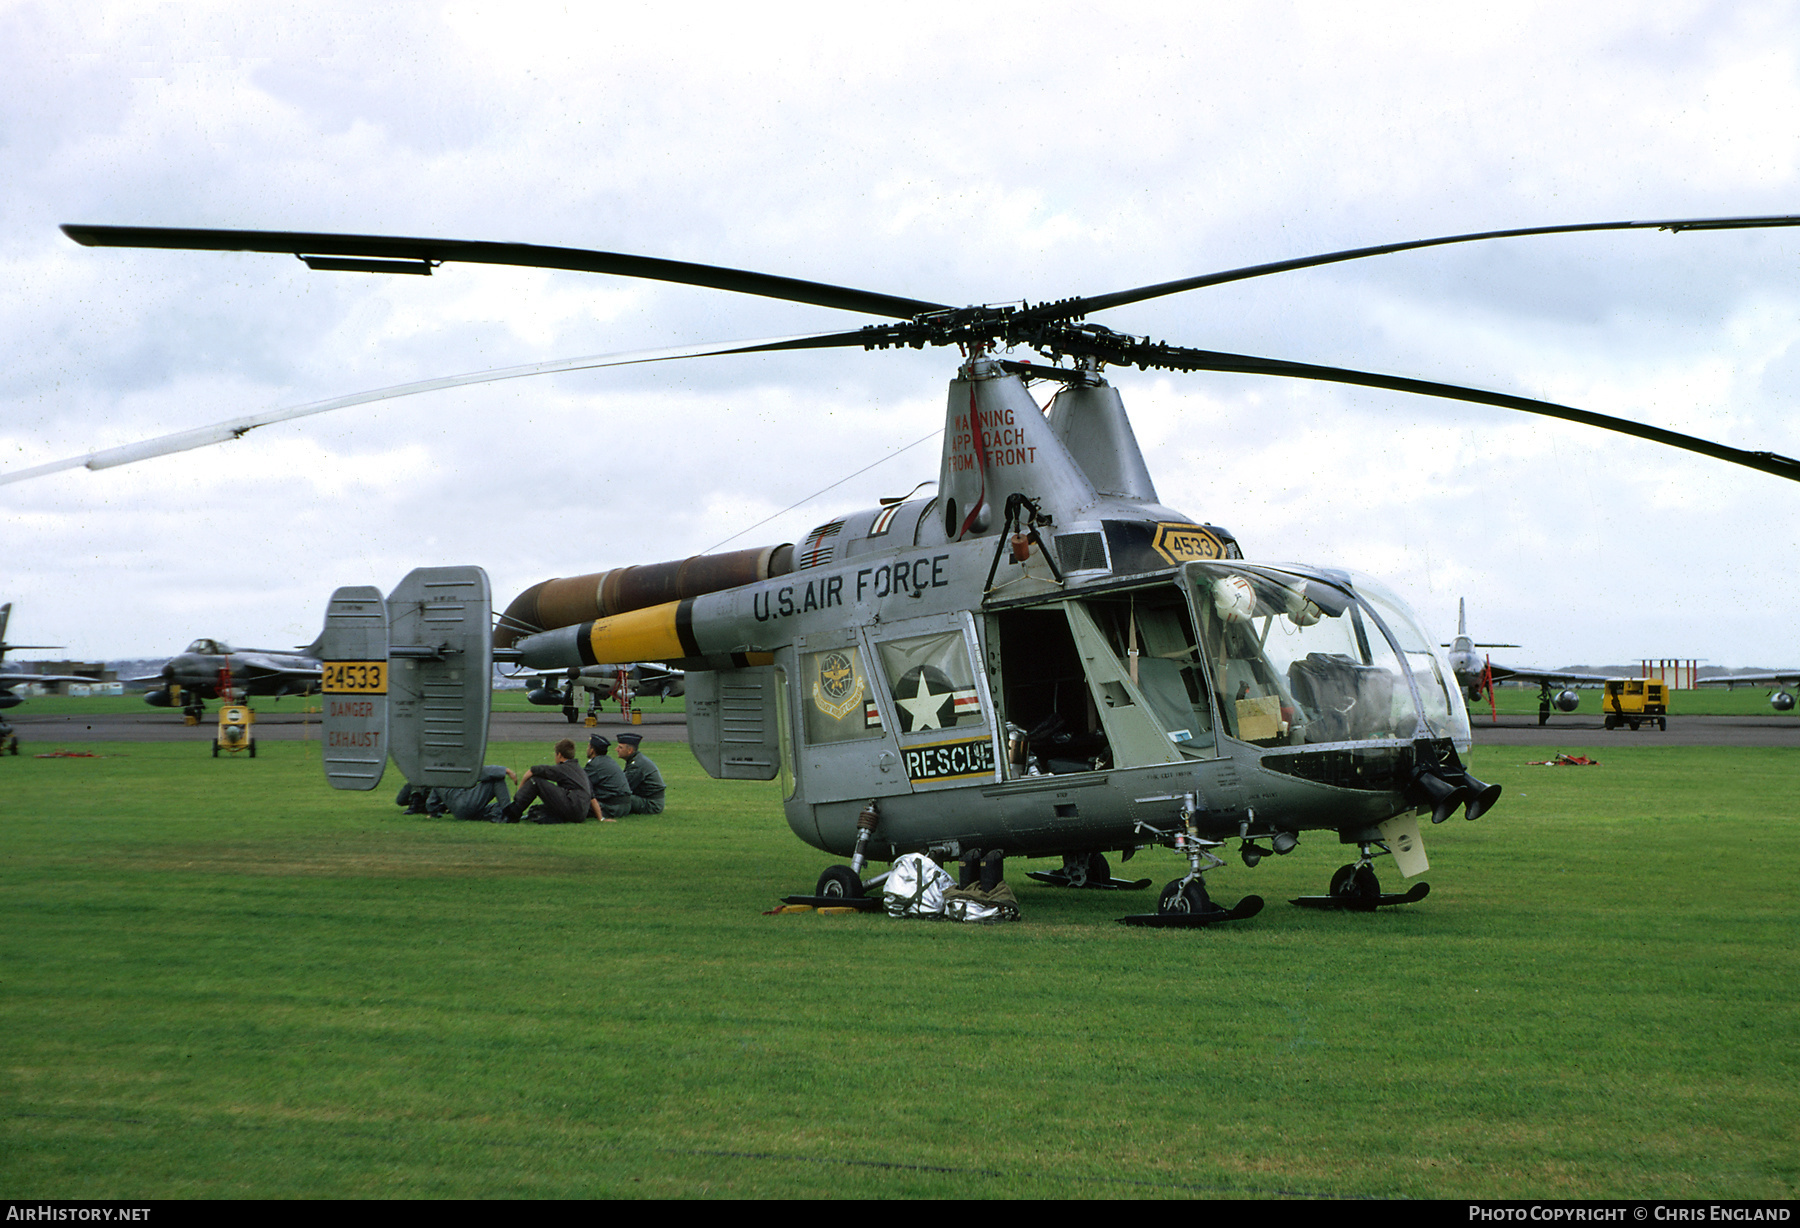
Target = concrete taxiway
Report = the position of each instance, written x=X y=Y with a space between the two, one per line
x=1566 y=731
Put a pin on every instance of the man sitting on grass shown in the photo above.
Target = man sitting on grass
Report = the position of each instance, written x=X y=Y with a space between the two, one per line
x=562 y=787
x=612 y=792
x=646 y=782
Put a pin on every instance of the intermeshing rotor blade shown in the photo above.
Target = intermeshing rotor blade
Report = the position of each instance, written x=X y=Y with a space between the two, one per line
x=380 y=253
x=1068 y=309
x=1179 y=358
x=234 y=428
x=1183 y=359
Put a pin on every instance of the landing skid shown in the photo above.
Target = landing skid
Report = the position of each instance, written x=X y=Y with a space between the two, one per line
x=1057 y=878
x=870 y=903
x=1419 y=891
x=1249 y=906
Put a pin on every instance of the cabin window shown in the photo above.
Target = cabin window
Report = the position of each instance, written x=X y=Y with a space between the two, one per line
x=837 y=701
x=1151 y=633
x=1297 y=661
x=932 y=682
x=1444 y=713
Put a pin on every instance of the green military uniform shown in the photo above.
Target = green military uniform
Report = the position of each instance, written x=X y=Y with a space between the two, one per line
x=646 y=785
x=611 y=788
x=486 y=799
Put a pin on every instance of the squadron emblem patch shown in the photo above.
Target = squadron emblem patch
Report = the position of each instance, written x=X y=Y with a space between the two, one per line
x=839 y=687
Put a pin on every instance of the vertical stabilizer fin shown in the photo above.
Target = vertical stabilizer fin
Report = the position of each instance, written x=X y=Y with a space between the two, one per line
x=1091 y=422
x=353 y=649
x=441 y=674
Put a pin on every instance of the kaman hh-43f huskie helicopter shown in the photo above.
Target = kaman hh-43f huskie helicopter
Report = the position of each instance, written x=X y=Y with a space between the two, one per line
x=1040 y=659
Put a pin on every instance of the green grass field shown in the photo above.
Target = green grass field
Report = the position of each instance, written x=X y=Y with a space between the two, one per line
x=1512 y=701
x=224 y=980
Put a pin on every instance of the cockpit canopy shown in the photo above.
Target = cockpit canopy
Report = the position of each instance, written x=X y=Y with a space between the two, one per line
x=209 y=648
x=1302 y=656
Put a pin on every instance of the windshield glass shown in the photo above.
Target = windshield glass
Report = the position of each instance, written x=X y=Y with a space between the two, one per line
x=1296 y=660
x=1445 y=715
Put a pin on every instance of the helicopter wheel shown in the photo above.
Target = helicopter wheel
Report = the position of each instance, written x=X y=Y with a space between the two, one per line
x=1098 y=871
x=1184 y=898
x=1356 y=887
x=839 y=883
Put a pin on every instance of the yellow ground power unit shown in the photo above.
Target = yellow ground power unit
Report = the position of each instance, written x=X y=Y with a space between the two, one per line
x=1635 y=702
x=236 y=730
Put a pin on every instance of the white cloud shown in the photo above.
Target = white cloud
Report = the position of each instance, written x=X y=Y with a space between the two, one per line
x=958 y=155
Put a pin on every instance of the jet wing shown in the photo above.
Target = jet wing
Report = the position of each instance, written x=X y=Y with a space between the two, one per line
x=659 y=680
x=8 y=681
x=264 y=673
x=292 y=682
x=598 y=678
x=1505 y=673
x=646 y=679
x=1733 y=681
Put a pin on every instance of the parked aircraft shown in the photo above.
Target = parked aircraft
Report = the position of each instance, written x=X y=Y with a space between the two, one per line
x=1779 y=700
x=1476 y=673
x=210 y=668
x=9 y=741
x=1117 y=686
x=601 y=682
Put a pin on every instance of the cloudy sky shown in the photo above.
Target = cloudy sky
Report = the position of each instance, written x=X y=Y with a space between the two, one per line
x=959 y=153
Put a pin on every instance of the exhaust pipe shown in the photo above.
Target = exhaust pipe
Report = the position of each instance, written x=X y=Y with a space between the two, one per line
x=551 y=604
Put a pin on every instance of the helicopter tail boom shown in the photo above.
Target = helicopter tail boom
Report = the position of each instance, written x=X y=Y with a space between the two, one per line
x=564 y=602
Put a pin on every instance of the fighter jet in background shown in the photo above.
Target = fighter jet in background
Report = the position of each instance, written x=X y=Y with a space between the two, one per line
x=1780 y=700
x=601 y=682
x=211 y=668
x=10 y=678
x=1476 y=673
